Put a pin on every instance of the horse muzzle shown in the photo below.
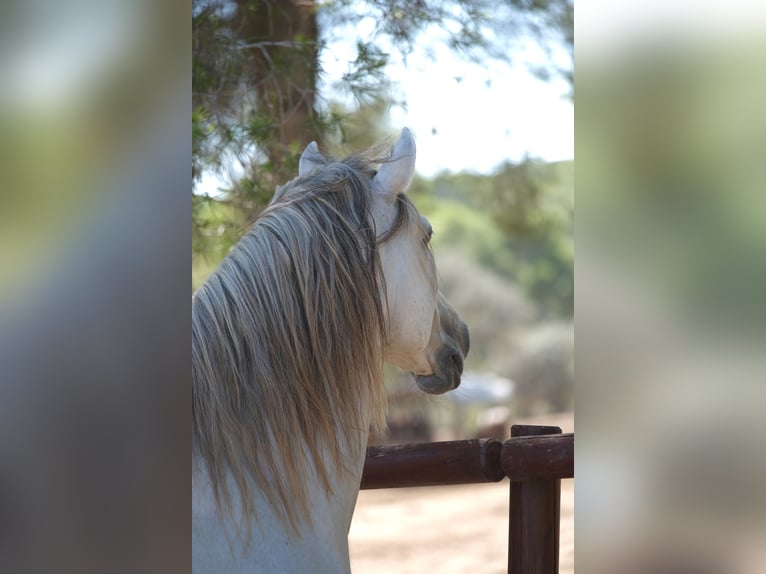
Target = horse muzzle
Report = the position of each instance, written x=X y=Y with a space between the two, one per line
x=448 y=363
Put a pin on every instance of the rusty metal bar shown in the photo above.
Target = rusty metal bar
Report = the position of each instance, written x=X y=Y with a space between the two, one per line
x=534 y=513
x=433 y=464
x=536 y=457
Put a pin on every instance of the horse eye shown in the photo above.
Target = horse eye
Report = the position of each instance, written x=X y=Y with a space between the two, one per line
x=428 y=237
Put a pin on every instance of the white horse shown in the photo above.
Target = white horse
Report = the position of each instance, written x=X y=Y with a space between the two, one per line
x=288 y=339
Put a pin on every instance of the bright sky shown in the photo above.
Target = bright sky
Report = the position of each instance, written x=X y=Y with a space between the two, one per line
x=472 y=117
x=467 y=116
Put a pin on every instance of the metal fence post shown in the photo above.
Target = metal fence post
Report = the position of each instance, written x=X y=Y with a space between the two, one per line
x=533 y=517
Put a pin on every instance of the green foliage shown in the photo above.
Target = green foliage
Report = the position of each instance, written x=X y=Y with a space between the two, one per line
x=533 y=203
x=216 y=226
x=366 y=78
x=469 y=230
x=677 y=195
x=256 y=69
x=360 y=128
x=517 y=223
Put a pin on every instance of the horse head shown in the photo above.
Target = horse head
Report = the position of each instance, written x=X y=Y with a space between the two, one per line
x=425 y=335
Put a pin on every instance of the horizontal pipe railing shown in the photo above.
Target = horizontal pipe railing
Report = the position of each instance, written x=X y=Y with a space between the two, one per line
x=469 y=461
x=535 y=459
x=433 y=464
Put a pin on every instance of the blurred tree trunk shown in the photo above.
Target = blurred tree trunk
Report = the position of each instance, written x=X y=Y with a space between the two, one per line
x=282 y=39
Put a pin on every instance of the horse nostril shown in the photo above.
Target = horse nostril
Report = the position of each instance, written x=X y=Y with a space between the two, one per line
x=466 y=338
x=457 y=360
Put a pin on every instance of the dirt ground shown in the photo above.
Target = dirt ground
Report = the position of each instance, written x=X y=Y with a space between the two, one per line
x=447 y=529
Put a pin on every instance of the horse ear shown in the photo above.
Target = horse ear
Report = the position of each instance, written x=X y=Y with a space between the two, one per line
x=310 y=159
x=394 y=175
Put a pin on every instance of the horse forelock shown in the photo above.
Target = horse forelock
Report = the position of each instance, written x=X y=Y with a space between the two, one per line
x=287 y=338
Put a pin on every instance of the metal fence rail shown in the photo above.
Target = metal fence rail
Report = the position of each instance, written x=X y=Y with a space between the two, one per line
x=535 y=459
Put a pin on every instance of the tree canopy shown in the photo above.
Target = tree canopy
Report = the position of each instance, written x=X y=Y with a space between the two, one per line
x=260 y=94
x=257 y=66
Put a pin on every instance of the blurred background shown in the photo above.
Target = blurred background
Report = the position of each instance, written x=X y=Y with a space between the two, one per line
x=671 y=254
x=487 y=90
x=95 y=403
x=670 y=139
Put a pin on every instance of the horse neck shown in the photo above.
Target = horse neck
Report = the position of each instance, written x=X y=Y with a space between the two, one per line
x=320 y=546
x=345 y=483
x=324 y=538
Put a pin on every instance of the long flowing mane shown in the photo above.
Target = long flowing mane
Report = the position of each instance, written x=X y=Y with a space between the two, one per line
x=287 y=339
